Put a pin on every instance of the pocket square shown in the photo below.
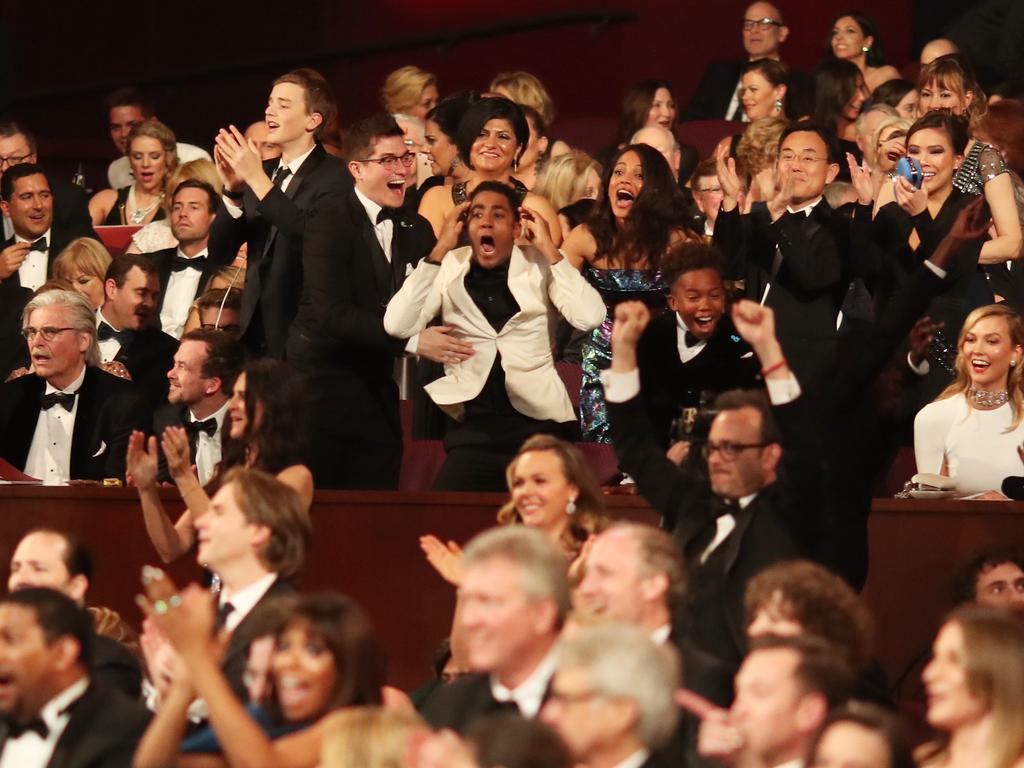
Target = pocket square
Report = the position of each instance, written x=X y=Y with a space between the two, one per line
x=102 y=449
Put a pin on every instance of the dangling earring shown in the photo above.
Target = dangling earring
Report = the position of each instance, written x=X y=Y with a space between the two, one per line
x=456 y=162
x=515 y=165
x=570 y=507
x=778 y=106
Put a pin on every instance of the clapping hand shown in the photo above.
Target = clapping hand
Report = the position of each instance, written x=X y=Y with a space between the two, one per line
x=238 y=158
x=176 y=448
x=446 y=558
x=728 y=178
x=778 y=204
x=860 y=176
x=142 y=461
x=185 y=618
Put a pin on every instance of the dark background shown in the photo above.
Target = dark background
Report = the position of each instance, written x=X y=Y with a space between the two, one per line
x=211 y=63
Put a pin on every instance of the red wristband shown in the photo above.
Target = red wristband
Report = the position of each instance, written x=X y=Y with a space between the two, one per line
x=773 y=368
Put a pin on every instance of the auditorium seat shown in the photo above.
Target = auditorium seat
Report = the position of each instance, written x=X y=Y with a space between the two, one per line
x=705 y=134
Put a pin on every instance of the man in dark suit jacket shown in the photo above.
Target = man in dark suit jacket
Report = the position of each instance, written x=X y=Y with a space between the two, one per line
x=267 y=204
x=125 y=331
x=56 y=560
x=793 y=253
x=185 y=270
x=54 y=715
x=694 y=353
x=358 y=250
x=758 y=504
x=68 y=420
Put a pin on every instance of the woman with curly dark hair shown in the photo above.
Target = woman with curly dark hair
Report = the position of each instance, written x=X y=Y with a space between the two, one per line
x=264 y=434
x=638 y=217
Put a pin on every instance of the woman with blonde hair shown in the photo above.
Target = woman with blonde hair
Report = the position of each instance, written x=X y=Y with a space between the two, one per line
x=974 y=430
x=153 y=155
x=83 y=263
x=157 y=235
x=369 y=737
x=975 y=687
x=567 y=179
x=409 y=91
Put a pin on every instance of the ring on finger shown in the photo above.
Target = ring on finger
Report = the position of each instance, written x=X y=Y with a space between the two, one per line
x=160 y=607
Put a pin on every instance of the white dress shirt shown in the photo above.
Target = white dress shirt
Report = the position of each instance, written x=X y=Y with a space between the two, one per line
x=32 y=272
x=235 y=210
x=635 y=760
x=529 y=694
x=208 y=447
x=686 y=354
x=30 y=750
x=661 y=634
x=49 y=456
x=179 y=295
x=244 y=600
x=109 y=347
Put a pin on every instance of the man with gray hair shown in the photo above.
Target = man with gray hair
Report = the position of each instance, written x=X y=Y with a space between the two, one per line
x=67 y=419
x=612 y=699
x=511 y=605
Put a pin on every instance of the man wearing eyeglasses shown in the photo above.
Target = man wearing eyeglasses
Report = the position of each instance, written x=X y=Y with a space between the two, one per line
x=68 y=419
x=357 y=253
x=758 y=502
x=266 y=203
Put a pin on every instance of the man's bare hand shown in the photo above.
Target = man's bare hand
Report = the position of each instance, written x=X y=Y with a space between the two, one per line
x=438 y=344
x=11 y=259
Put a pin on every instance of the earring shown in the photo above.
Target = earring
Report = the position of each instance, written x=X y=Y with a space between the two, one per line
x=778 y=105
x=864 y=49
x=456 y=162
x=570 y=507
x=515 y=165
x=1013 y=363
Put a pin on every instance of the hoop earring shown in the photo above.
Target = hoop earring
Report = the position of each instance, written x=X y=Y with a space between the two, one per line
x=570 y=507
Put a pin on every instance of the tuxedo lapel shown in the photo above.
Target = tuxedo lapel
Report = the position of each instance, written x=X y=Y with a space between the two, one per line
x=525 y=294
x=82 y=448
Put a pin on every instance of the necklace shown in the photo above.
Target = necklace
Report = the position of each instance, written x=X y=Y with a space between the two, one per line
x=988 y=399
x=138 y=214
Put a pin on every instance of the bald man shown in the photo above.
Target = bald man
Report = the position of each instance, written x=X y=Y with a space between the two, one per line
x=663 y=140
x=940 y=46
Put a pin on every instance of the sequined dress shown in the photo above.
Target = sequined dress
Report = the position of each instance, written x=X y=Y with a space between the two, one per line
x=982 y=164
x=614 y=285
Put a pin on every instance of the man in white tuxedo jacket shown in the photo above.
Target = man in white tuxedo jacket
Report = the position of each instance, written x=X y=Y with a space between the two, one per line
x=502 y=300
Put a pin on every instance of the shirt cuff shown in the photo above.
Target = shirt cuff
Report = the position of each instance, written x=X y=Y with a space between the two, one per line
x=939 y=272
x=234 y=210
x=923 y=368
x=782 y=391
x=620 y=386
x=412 y=344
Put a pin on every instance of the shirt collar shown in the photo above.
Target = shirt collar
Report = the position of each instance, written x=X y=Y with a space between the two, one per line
x=635 y=760
x=806 y=210
x=682 y=327
x=745 y=500
x=661 y=634
x=53 y=710
x=245 y=599
x=201 y=254
x=74 y=386
x=529 y=694
x=372 y=208
x=295 y=163
x=797 y=763
x=19 y=239
x=101 y=318
x=219 y=415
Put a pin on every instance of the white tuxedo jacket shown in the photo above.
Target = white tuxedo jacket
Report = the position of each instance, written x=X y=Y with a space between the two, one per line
x=543 y=292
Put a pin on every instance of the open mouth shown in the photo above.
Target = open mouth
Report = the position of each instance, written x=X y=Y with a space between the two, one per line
x=704 y=325
x=396 y=185
x=272 y=126
x=624 y=198
x=487 y=244
x=894 y=156
x=978 y=365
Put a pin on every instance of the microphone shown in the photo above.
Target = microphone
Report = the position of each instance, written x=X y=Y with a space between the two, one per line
x=1013 y=486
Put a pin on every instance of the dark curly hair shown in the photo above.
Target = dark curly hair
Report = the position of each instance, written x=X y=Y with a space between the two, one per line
x=659 y=210
x=478 y=114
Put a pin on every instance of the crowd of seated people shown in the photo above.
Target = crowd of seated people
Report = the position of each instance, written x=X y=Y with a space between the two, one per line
x=839 y=279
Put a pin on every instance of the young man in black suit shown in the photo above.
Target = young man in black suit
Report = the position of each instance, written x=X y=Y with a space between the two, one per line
x=54 y=559
x=54 y=715
x=358 y=250
x=694 y=353
x=124 y=326
x=267 y=204
x=185 y=270
x=757 y=503
x=68 y=420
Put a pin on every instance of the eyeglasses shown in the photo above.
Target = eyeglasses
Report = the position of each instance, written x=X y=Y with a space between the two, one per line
x=727 y=448
x=13 y=160
x=762 y=24
x=789 y=157
x=49 y=333
x=390 y=162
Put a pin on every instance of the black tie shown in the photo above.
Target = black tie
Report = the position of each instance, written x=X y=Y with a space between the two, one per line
x=209 y=426
x=690 y=339
x=65 y=399
x=388 y=213
x=17 y=730
x=282 y=173
x=106 y=331
x=38 y=245
x=223 y=612
x=179 y=263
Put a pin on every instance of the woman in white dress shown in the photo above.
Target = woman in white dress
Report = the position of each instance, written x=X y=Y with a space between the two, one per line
x=974 y=432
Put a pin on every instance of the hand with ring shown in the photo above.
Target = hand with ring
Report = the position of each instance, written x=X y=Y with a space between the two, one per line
x=185 y=617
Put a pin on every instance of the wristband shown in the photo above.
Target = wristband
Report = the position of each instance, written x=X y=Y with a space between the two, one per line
x=236 y=196
x=773 y=368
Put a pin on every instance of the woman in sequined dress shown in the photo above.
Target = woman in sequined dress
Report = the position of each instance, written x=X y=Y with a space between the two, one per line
x=638 y=218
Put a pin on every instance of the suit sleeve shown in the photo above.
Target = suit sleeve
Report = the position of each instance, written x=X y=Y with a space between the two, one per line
x=809 y=250
x=281 y=212
x=417 y=302
x=226 y=235
x=732 y=237
x=802 y=472
x=580 y=304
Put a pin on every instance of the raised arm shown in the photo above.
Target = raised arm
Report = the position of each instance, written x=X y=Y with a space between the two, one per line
x=169 y=540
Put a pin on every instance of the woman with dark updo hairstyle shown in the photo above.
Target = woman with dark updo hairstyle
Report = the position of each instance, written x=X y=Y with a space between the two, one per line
x=853 y=38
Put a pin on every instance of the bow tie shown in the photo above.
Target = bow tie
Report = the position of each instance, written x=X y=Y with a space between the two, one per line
x=39 y=245
x=209 y=426
x=691 y=340
x=179 y=263
x=17 y=730
x=388 y=213
x=64 y=399
x=105 y=332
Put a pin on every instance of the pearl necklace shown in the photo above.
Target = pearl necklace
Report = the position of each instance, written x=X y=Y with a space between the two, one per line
x=988 y=399
x=138 y=214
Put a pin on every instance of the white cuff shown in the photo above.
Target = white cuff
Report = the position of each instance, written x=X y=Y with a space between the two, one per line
x=412 y=344
x=234 y=210
x=782 y=391
x=620 y=386
x=939 y=272
x=924 y=367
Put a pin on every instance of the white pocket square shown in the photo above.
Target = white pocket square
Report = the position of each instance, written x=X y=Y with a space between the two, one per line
x=102 y=449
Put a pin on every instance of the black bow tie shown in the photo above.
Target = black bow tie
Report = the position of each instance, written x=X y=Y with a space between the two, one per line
x=106 y=331
x=209 y=426
x=64 y=399
x=178 y=263
x=691 y=340
x=17 y=730
x=388 y=213
x=39 y=245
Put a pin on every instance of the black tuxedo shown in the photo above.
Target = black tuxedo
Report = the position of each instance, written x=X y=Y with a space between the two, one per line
x=668 y=384
x=171 y=415
x=71 y=209
x=148 y=358
x=273 y=228
x=784 y=521
x=461 y=702
x=109 y=409
x=162 y=261
x=104 y=729
x=237 y=654
x=339 y=345
x=114 y=667
x=809 y=284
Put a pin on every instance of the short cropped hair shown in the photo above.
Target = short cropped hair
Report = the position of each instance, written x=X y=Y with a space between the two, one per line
x=225 y=356
x=363 y=136
x=16 y=172
x=543 y=569
x=965 y=583
x=503 y=189
x=77 y=558
x=265 y=500
x=809 y=126
x=735 y=399
x=820 y=668
x=624 y=663
x=9 y=128
x=212 y=298
x=132 y=97
x=689 y=257
x=318 y=95
x=124 y=263
x=57 y=616
x=81 y=317
x=212 y=196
